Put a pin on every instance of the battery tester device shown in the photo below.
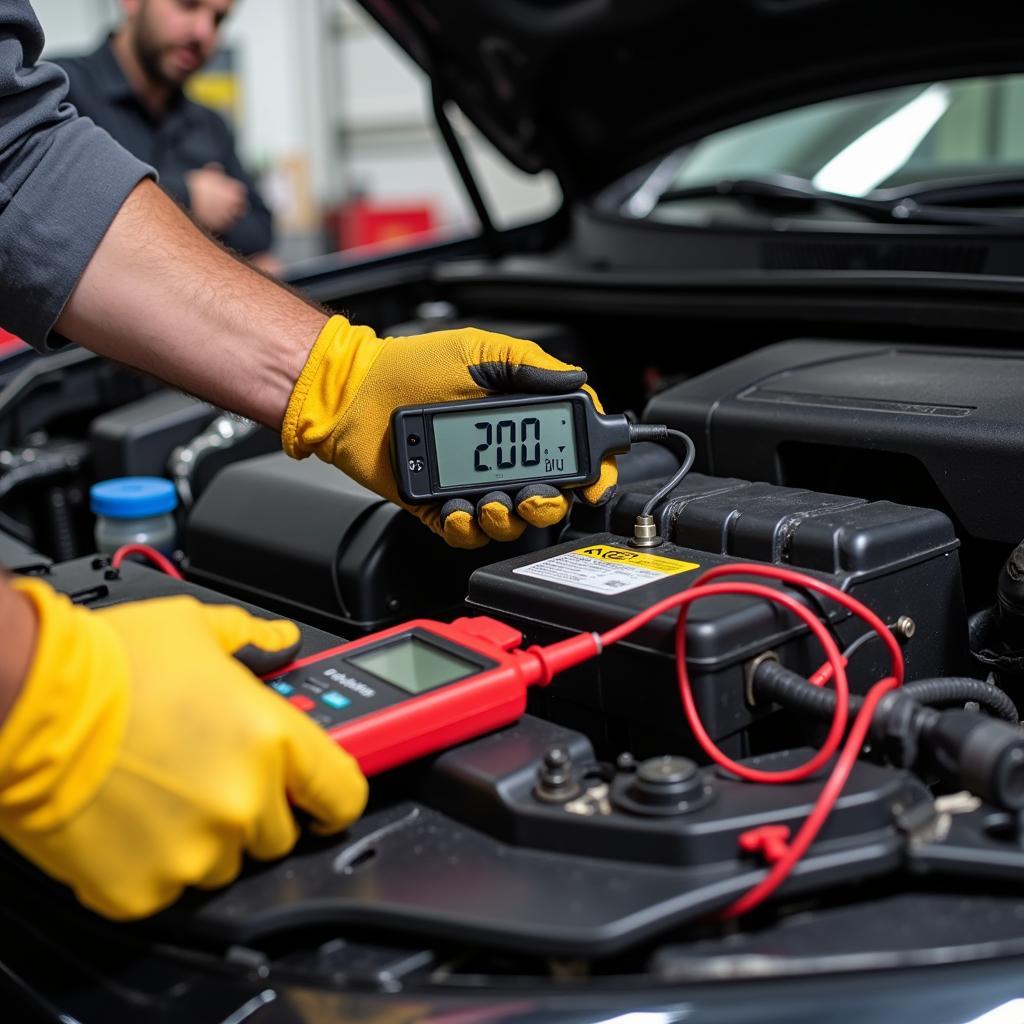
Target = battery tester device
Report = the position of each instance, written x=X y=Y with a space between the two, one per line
x=465 y=449
x=422 y=686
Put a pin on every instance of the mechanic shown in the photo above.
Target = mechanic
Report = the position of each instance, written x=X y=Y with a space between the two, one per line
x=132 y=87
x=137 y=754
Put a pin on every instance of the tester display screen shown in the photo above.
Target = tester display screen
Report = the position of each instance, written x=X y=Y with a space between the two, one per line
x=414 y=665
x=504 y=444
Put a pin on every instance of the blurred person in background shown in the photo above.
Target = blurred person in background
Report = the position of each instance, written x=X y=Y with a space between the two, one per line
x=133 y=87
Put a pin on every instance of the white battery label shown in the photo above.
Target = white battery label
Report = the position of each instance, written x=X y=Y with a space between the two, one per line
x=605 y=569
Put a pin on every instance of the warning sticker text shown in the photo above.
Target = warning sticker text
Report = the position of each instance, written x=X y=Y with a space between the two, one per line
x=605 y=569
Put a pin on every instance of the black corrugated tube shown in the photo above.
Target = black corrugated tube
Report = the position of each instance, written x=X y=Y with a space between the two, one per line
x=773 y=682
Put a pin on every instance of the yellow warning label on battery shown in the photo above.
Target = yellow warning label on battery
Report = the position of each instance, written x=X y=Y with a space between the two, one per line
x=636 y=559
x=605 y=569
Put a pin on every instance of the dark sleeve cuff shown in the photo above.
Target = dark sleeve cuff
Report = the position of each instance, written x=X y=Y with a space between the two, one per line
x=56 y=219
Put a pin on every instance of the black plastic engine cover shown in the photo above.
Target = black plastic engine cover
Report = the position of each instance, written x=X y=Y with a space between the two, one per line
x=303 y=539
x=478 y=859
x=19 y=557
x=137 y=439
x=932 y=426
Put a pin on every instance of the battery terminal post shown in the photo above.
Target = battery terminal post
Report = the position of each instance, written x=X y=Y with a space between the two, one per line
x=645 y=533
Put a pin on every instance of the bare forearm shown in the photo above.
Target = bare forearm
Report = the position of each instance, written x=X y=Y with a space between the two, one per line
x=161 y=297
x=17 y=643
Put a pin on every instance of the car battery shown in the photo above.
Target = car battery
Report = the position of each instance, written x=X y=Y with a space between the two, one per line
x=900 y=561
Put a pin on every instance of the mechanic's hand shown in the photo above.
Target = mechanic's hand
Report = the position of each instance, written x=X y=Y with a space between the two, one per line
x=216 y=200
x=341 y=410
x=141 y=756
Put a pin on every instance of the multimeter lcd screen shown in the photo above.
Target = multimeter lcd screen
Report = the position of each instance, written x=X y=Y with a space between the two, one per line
x=414 y=665
x=499 y=445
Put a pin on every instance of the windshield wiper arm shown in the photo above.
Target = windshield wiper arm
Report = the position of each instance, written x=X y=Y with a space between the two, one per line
x=977 y=190
x=901 y=208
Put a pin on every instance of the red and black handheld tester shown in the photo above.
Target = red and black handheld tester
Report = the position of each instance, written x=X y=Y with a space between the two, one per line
x=423 y=686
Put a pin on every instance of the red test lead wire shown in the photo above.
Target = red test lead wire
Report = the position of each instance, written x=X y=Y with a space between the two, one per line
x=784 y=855
x=164 y=564
x=835 y=659
x=791 y=853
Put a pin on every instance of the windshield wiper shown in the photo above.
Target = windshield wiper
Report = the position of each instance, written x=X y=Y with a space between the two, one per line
x=922 y=206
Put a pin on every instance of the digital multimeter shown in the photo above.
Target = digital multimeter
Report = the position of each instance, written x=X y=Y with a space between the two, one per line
x=465 y=449
x=423 y=686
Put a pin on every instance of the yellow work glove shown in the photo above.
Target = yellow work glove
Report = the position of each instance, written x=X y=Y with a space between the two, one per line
x=141 y=756
x=352 y=382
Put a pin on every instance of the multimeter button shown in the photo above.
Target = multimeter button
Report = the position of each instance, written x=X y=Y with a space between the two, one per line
x=335 y=700
x=498 y=633
x=302 y=703
x=282 y=687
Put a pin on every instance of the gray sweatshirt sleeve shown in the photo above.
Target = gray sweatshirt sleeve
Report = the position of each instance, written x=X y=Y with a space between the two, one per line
x=62 y=180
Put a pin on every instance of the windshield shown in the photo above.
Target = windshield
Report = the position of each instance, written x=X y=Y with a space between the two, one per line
x=955 y=131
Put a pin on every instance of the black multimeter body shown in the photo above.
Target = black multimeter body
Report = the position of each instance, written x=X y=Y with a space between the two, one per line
x=506 y=442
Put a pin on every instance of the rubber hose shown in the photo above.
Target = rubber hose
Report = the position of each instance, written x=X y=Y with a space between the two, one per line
x=774 y=682
x=62 y=532
x=960 y=690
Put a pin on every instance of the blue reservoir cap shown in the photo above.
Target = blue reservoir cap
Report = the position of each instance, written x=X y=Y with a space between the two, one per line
x=133 y=497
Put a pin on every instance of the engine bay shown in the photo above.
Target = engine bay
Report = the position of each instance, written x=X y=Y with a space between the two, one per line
x=595 y=838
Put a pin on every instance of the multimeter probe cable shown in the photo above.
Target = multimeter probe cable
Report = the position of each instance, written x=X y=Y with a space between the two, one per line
x=645 y=532
x=659 y=432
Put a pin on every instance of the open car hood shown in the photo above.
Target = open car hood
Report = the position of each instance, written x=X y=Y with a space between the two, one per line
x=594 y=88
